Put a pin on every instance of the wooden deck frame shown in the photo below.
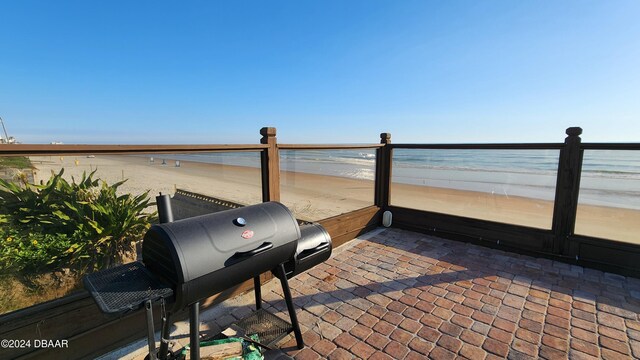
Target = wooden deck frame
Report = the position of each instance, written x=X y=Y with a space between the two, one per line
x=560 y=242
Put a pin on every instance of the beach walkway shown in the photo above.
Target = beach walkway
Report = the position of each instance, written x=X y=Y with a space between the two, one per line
x=394 y=294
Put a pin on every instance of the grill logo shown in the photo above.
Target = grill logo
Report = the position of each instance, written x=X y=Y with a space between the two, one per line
x=247 y=234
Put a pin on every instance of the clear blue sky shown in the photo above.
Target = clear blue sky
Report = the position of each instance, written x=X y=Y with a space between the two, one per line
x=319 y=71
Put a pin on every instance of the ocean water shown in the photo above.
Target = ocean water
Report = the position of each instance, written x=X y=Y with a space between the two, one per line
x=609 y=177
x=504 y=172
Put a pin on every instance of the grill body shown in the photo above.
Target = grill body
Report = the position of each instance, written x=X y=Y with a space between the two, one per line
x=204 y=255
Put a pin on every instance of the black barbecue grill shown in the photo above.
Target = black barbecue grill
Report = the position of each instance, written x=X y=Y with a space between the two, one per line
x=189 y=260
x=204 y=255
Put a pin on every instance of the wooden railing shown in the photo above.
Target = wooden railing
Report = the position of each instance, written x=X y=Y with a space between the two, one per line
x=344 y=227
x=90 y=333
x=558 y=243
x=606 y=254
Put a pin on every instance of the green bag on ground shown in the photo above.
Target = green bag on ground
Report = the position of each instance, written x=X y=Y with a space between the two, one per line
x=249 y=350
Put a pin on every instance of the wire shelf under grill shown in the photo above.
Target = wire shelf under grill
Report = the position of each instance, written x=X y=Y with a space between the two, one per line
x=124 y=288
x=269 y=327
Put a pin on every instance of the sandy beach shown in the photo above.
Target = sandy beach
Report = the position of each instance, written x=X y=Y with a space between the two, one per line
x=310 y=197
x=314 y=197
x=598 y=221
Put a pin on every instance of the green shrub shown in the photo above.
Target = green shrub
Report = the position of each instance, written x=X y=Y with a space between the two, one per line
x=15 y=162
x=63 y=224
x=34 y=253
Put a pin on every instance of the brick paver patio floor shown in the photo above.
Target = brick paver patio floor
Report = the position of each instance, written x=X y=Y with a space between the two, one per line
x=404 y=295
x=395 y=294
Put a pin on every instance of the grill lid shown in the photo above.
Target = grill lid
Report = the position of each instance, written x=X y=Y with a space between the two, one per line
x=187 y=249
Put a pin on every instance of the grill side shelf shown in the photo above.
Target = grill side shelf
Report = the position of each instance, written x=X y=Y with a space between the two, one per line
x=125 y=288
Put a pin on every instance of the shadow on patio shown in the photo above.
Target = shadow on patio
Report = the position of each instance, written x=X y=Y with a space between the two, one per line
x=395 y=294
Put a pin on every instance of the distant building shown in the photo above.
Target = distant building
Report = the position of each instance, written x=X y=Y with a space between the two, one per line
x=8 y=140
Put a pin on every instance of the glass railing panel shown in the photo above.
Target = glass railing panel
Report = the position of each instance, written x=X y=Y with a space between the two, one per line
x=233 y=176
x=317 y=184
x=62 y=216
x=609 y=200
x=507 y=186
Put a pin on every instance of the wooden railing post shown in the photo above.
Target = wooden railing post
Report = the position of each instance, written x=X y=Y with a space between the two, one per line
x=270 y=164
x=383 y=172
x=567 y=189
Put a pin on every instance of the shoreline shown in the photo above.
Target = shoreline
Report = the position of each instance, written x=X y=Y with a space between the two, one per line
x=315 y=197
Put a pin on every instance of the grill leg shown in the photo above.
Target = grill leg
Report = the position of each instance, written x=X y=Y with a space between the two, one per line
x=164 y=337
x=292 y=311
x=150 y=336
x=258 y=291
x=194 y=330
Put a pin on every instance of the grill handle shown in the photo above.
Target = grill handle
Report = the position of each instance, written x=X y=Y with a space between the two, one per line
x=264 y=247
x=308 y=252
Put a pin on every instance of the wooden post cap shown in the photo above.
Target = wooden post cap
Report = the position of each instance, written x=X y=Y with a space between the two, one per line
x=268 y=131
x=574 y=131
x=385 y=138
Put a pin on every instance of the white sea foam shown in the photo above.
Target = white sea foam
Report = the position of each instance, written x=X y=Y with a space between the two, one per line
x=610 y=178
